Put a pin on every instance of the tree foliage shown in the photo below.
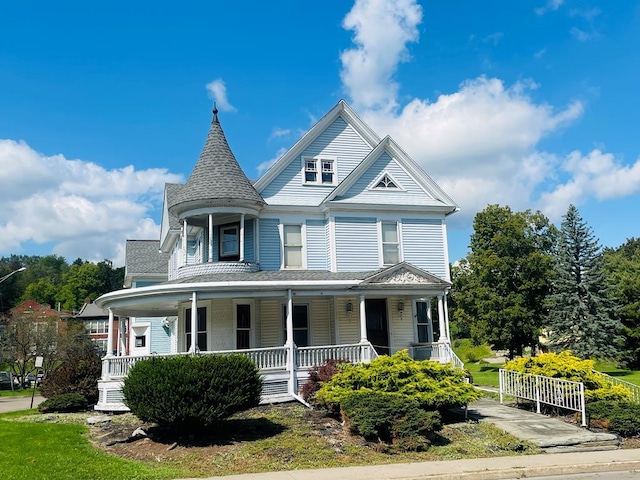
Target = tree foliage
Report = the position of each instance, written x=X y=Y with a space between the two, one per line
x=499 y=290
x=582 y=312
x=623 y=270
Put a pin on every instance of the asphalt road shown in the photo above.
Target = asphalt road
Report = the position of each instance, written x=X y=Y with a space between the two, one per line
x=13 y=404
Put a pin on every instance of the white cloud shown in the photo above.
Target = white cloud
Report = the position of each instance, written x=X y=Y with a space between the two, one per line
x=597 y=175
x=279 y=133
x=382 y=30
x=218 y=93
x=550 y=6
x=81 y=208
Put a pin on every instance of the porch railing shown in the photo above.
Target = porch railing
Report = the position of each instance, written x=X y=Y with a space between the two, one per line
x=544 y=390
x=438 y=352
x=308 y=357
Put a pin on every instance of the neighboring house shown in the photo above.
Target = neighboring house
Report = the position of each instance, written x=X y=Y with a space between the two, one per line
x=96 y=324
x=338 y=251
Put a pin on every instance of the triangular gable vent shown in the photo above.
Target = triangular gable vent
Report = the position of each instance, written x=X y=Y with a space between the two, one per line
x=385 y=182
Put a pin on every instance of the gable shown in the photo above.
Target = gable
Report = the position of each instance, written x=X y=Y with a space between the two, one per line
x=370 y=187
x=338 y=142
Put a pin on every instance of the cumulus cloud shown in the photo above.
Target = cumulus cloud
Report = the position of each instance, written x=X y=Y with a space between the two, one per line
x=218 y=93
x=381 y=31
x=481 y=142
x=81 y=208
x=550 y=6
x=264 y=166
x=279 y=133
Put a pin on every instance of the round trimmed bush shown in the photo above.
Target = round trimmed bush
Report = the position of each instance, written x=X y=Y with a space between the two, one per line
x=192 y=391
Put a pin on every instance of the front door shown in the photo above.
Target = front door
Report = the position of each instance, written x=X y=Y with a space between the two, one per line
x=377 y=326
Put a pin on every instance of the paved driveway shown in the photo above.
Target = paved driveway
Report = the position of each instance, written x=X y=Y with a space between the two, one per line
x=13 y=404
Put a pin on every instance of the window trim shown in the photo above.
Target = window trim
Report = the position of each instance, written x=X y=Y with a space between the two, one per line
x=374 y=185
x=381 y=242
x=303 y=249
x=235 y=256
x=319 y=170
x=307 y=306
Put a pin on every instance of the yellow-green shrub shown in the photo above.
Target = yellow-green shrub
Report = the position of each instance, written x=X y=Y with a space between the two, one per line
x=568 y=367
x=432 y=385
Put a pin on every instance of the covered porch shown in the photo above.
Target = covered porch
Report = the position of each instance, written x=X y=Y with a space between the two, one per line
x=286 y=326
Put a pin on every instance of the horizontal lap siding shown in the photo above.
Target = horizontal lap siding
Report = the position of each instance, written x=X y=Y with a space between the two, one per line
x=269 y=244
x=401 y=328
x=348 y=325
x=270 y=323
x=316 y=245
x=356 y=244
x=159 y=341
x=321 y=321
x=339 y=140
x=222 y=336
x=423 y=245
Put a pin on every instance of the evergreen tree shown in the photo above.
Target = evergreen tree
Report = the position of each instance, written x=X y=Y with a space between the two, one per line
x=582 y=312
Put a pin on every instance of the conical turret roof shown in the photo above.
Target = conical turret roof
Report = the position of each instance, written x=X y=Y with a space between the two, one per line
x=217 y=178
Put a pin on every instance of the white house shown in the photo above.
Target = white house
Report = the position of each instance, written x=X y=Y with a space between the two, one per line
x=338 y=251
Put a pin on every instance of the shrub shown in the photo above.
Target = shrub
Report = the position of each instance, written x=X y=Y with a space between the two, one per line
x=79 y=373
x=432 y=385
x=391 y=418
x=620 y=417
x=568 y=367
x=318 y=376
x=66 y=402
x=192 y=391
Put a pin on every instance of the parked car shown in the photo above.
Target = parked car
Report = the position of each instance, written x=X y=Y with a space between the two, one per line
x=29 y=380
x=5 y=380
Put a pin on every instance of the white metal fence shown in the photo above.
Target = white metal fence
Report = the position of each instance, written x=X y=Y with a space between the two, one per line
x=634 y=389
x=544 y=390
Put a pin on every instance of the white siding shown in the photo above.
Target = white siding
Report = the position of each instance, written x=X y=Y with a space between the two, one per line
x=320 y=317
x=220 y=331
x=339 y=140
x=348 y=325
x=271 y=322
x=401 y=329
x=423 y=245
x=356 y=244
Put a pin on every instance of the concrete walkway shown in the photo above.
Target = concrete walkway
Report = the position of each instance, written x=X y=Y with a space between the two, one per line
x=546 y=432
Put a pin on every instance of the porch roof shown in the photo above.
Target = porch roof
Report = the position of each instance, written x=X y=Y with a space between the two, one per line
x=164 y=299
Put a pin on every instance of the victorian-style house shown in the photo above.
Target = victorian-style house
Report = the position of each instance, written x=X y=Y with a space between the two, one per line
x=338 y=251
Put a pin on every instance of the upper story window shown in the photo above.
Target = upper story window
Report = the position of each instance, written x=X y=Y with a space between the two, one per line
x=390 y=243
x=229 y=242
x=292 y=241
x=319 y=171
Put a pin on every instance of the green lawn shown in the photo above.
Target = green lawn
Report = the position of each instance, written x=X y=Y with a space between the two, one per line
x=26 y=392
x=484 y=374
x=33 y=451
x=631 y=376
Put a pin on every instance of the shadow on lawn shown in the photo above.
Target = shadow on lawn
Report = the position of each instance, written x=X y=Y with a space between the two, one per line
x=226 y=432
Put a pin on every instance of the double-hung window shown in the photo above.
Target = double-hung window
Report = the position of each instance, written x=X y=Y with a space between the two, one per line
x=390 y=243
x=229 y=242
x=292 y=240
x=319 y=171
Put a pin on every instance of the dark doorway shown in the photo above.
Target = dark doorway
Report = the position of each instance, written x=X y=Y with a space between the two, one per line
x=377 y=326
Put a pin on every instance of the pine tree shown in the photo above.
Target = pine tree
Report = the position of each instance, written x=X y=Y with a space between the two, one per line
x=582 y=312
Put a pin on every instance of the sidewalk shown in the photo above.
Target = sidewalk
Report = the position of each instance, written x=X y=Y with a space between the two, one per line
x=13 y=404
x=471 y=469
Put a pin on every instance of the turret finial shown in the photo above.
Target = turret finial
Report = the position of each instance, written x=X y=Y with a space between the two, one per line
x=215 y=113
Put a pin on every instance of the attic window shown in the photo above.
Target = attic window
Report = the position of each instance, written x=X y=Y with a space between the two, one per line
x=319 y=171
x=386 y=182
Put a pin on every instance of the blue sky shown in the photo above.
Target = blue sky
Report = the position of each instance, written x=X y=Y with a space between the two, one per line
x=531 y=104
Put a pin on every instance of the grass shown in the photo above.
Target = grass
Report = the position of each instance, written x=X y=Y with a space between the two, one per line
x=631 y=376
x=25 y=392
x=263 y=439
x=484 y=374
x=33 y=451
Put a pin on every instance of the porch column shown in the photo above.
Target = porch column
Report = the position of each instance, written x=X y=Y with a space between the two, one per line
x=363 y=321
x=242 y=237
x=194 y=323
x=446 y=316
x=110 y=335
x=441 y=324
x=429 y=322
x=120 y=329
x=210 y=238
x=184 y=241
x=289 y=318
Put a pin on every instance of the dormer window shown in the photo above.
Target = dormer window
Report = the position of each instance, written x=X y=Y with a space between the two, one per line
x=319 y=171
